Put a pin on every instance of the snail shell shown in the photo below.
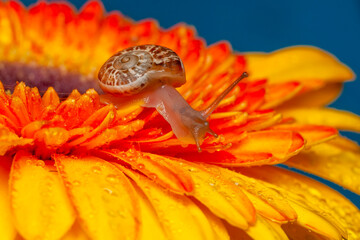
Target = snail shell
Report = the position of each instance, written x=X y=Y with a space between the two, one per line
x=140 y=68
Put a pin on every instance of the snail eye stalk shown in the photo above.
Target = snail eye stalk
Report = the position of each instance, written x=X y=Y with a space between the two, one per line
x=207 y=112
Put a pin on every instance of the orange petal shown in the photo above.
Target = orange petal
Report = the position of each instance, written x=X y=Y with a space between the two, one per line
x=313 y=134
x=9 y=140
x=50 y=98
x=174 y=211
x=5 y=108
x=30 y=129
x=52 y=137
x=116 y=133
x=34 y=103
x=276 y=94
x=102 y=196
x=154 y=167
x=39 y=203
x=341 y=120
x=321 y=200
x=302 y=63
x=105 y=124
x=281 y=144
x=20 y=110
x=331 y=162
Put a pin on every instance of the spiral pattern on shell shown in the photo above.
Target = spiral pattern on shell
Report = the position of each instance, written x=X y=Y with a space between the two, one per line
x=138 y=68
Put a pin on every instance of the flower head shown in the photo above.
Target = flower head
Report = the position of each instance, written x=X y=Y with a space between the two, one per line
x=79 y=168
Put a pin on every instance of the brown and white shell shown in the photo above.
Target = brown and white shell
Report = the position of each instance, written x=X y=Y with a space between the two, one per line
x=140 y=68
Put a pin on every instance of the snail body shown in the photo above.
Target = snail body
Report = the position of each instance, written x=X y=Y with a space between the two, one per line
x=150 y=74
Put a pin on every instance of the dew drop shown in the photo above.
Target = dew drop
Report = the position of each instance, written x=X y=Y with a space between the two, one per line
x=76 y=183
x=121 y=213
x=40 y=163
x=112 y=178
x=96 y=170
x=141 y=166
x=111 y=213
x=153 y=176
x=192 y=169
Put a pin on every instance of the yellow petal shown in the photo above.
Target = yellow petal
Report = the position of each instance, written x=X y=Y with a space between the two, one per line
x=221 y=196
x=324 y=201
x=341 y=120
x=150 y=225
x=103 y=197
x=267 y=202
x=180 y=217
x=76 y=233
x=301 y=63
x=314 y=222
x=265 y=229
x=296 y=232
x=331 y=162
x=155 y=167
x=261 y=230
x=39 y=202
x=7 y=229
x=316 y=98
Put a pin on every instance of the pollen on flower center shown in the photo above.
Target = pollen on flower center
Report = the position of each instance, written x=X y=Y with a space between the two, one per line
x=42 y=77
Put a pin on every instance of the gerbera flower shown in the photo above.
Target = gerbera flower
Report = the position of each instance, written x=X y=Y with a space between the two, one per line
x=74 y=168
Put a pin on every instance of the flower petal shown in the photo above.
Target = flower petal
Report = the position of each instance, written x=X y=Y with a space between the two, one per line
x=154 y=167
x=302 y=63
x=281 y=144
x=102 y=195
x=151 y=227
x=75 y=233
x=40 y=206
x=221 y=196
x=7 y=228
x=267 y=202
x=315 y=197
x=341 y=120
x=181 y=218
x=313 y=134
x=315 y=222
x=276 y=94
x=262 y=229
x=9 y=140
x=331 y=162
x=315 y=98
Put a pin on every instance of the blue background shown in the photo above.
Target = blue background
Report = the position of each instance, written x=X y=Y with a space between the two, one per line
x=332 y=25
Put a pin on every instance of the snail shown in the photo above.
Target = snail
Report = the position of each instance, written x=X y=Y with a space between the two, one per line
x=150 y=74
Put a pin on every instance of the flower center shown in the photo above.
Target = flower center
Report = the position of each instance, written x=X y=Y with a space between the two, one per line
x=42 y=77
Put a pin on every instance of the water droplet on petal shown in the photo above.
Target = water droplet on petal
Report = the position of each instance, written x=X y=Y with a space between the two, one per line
x=76 y=183
x=40 y=163
x=153 y=176
x=112 y=178
x=96 y=169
